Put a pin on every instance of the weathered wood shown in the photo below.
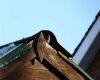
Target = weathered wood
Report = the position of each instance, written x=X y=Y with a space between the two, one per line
x=13 y=66
x=41 y=46
x=48 y=53
x=32 y=65
x=32 y=72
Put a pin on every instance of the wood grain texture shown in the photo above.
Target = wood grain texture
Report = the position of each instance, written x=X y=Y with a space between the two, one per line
x=47 y=52
x=43 y=64
x=13 y=66
x=65 y=68
x=32 y=72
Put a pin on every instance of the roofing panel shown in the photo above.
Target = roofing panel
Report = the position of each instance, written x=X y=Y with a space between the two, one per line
x=97 y=16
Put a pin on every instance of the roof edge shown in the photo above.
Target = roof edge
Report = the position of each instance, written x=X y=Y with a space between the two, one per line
x=98 y=14
x=53 y=41
x=87 y=32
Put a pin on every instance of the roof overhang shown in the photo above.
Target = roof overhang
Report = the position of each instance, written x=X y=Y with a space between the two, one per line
x=89 y=45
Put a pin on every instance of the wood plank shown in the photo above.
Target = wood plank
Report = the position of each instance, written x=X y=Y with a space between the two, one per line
x=32 y=72
x=61 y=65
x=45 y=51
x=13 y=66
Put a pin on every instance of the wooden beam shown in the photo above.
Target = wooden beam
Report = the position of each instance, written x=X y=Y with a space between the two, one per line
x=45 y=51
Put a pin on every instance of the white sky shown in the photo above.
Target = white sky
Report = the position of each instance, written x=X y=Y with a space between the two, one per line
x=67 y=19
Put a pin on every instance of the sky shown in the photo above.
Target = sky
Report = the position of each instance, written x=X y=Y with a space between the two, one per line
x=67 y=19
